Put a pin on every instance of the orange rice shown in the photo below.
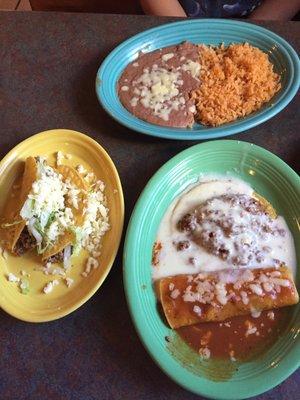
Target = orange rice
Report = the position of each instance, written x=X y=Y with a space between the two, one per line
x=235 y=81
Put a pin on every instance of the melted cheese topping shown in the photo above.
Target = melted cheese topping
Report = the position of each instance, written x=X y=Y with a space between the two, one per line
x=158 y=88
x=178 y=254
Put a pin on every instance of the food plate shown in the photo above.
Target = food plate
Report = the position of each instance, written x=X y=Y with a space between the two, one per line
x=270 y=177
x=208 y=31
x=36 y=306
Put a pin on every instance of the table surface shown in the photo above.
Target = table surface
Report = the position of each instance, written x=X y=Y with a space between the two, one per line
x=47 y=72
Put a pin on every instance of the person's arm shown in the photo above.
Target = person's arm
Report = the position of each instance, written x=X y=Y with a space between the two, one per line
x=283 y=10
x=169 y=8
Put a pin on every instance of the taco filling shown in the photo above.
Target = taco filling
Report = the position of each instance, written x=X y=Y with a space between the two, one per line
x=25 y=242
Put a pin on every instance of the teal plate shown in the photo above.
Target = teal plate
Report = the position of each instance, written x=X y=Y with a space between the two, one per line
x=278 y=183
x=208 y=31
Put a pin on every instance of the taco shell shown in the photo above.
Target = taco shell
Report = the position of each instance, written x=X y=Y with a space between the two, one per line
x=69 y=173
x=11 y=223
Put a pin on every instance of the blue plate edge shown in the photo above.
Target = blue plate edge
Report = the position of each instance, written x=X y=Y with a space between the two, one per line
x=168 y=133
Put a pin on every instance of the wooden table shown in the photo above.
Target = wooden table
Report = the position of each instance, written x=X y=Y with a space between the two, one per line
x=48 y=63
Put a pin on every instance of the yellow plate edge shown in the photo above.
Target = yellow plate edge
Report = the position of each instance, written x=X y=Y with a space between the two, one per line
x=81 y=136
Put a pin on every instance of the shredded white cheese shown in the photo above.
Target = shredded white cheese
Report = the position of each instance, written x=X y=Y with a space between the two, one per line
x=12 y=277
x=244 y=297
x=255 y=313
x=50 y=285
x=231 y=354
x=175 y=293
x=251 y=328
x=204 y=353
x=90 y=177
x=197 y=310
x=192 y=67
x=96 y=222
x=271 y=315
x=256 y=289
x=80 y=169
x=49 y=269
x=69 y=281
x=167 y=56
x=59 y=158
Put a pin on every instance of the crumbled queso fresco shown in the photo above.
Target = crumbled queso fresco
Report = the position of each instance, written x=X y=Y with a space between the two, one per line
x=50 y=285
x=208 y=291
x=95 y=225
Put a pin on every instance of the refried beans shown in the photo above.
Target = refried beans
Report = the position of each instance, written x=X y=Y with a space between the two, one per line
x=156 y=87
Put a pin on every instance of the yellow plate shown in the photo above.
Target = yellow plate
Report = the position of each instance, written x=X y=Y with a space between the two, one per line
x=37 y=306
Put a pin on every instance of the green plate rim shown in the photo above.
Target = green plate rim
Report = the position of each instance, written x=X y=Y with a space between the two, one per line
x=165 y=361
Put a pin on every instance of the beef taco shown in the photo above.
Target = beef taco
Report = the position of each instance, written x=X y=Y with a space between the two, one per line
x=14 y=235
x=46 y=211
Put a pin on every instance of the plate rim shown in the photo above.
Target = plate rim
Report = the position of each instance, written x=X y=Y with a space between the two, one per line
x=129 y=286
x=185 y=134
x=81 y=136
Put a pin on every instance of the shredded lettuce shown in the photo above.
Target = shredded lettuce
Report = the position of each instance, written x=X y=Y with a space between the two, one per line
x=50 y=219
x=39 y=228
x=77 y=242
x=24 y=286
x=41 y=249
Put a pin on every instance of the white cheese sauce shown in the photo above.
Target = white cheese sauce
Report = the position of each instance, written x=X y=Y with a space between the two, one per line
x=262 y=249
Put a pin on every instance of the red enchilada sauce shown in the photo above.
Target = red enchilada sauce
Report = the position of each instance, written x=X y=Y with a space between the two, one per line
x=238 y=338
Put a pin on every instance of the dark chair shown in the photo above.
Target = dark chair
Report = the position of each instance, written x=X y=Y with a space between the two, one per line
x=101 y=6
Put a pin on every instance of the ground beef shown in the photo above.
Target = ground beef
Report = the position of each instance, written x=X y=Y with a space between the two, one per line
x=24 y=243
x=56 y=258
x=183 y=245
x=132 y=88
x=188 y=223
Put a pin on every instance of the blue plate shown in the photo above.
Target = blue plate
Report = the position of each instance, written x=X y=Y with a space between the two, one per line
x=208 y=31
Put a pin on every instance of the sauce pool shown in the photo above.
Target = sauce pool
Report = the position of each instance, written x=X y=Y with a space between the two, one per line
x=240 y=338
